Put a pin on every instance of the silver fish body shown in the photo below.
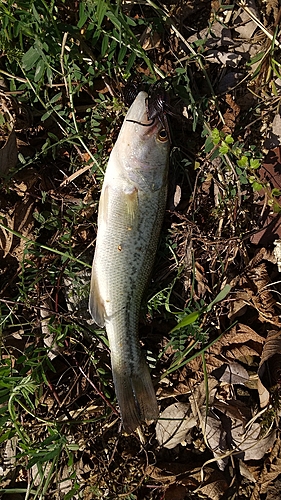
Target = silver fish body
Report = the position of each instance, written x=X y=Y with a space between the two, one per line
x=131 y=211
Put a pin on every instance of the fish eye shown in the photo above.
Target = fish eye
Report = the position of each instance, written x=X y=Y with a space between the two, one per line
x=162 y=135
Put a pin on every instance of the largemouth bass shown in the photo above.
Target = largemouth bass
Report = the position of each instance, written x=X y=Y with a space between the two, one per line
x=131 y=210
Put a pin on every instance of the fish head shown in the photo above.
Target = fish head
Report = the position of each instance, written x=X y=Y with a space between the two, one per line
x=143 y=146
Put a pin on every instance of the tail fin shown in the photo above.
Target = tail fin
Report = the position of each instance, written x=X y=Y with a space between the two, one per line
x=135 y=395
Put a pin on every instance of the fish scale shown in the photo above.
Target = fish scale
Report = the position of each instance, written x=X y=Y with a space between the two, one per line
x=131 y=211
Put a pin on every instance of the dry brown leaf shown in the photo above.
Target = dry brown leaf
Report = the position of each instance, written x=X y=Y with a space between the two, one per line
x=271 y=469
x=216 y=439
x=269 y=174
x=201 y=280
x=9 y=456
x=175 y=492
x=238 y=305
x=150 y=39
x=250 y=290
x=273 y=9
x=19 y=219
x=244 y=354
x=231 y=114
x=253 y=292
x=243 y=438
x=6 y=237
x=249 y=441
x=24 y=181
x=174 y=423
x=170 y=472
x=8 y=154
x=272 y=355
x=234 y=373
x=216 y=486
x=240 y=334
x=264 y=395
x=239 y=343
x=263 y=300
x=234 y=409
x=189 y=475
x=198 y=396
x=269 y=370
x=246 y=472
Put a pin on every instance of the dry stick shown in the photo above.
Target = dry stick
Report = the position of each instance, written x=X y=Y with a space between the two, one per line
x=61 y=62
x=74 y=176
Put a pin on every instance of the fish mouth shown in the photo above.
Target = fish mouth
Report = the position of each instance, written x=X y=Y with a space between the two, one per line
x=138 y=114
x=138 y=111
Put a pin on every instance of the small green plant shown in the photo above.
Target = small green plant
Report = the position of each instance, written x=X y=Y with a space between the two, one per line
x=243 y=162
x=190 y=332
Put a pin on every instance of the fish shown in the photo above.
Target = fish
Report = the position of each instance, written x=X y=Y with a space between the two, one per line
x=130 y=216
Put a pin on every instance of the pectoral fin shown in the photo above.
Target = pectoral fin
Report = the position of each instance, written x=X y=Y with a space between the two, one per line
x=132 y=203
x=96 y=305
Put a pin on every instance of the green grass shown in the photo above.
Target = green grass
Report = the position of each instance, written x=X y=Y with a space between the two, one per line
x=66 y=71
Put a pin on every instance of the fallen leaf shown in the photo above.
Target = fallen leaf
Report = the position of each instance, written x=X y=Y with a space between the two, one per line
x=234 y=409
x=8 y=154
x=234 y=373
x=174 y=423
x=246 y=472
x=269 y=370
x=175 y=492
x=249 y=440
x=198 y=396
x=271 y=468
x=237 y=344
x=244 y=26
x=169 y=472
x=150 y=39
x=215 y=486
x=20 y=219
x=263 y=394
x=216 y=439
x=231 y=114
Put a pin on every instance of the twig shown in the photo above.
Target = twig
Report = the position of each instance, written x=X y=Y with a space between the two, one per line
x=62 y=64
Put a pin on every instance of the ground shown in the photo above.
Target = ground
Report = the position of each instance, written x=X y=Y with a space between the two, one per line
x=209 y=323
